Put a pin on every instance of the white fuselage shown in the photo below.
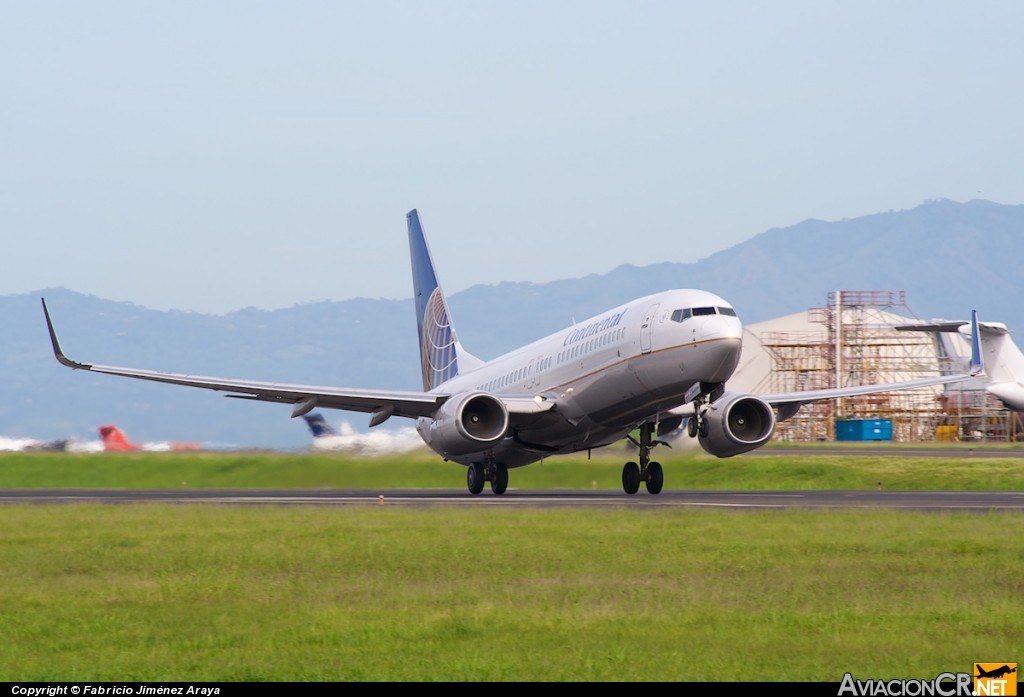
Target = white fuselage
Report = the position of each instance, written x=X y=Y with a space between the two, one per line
x=1004 y=363
x=608 y=374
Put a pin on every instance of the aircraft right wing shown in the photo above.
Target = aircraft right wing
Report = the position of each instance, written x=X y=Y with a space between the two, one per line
x=788 y=403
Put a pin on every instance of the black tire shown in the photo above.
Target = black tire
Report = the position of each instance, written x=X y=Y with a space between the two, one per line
x=655 y=478
x=500 y=481
x=475 y=478
x=631 y=478
x=691 y=427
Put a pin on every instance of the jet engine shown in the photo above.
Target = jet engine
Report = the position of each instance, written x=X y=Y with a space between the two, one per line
x=736 y=423
x=467 y=423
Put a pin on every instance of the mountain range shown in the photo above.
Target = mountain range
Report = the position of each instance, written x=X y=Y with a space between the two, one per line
x=947 y=257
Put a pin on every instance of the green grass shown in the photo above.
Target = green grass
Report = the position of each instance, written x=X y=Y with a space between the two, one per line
x=194 y=593
x=158 y=592
x=691 y=470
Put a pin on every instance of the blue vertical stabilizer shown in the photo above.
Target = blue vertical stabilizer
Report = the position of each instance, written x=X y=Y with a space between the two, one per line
x=439 y=346
x=318 y=425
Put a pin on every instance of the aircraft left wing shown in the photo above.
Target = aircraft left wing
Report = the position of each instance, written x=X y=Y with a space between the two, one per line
x=381 y=403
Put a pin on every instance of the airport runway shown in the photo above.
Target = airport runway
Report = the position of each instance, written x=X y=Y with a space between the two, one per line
x=977 y=501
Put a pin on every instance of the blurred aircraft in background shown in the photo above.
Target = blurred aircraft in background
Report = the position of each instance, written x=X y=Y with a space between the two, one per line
x=32 y=445
x=114 y=440
x=24 y=444
x=347 y=439
x=318 y=426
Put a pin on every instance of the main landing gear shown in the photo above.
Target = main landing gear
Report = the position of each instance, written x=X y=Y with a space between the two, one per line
x=649 y=472
x=494 y=472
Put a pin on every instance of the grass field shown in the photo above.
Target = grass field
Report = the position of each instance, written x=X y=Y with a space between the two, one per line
x=423 y=469
x=195 y=593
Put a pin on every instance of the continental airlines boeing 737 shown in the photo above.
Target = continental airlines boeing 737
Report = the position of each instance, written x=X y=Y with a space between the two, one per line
x=640 y=368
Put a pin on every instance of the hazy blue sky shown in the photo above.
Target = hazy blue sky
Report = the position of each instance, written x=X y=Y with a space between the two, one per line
x=211 y=156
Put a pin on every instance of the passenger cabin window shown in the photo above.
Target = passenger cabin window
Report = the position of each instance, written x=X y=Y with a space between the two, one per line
x=687 y=313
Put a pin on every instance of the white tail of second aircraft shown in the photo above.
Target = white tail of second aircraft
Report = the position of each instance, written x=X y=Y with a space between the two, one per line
x=1002 y=358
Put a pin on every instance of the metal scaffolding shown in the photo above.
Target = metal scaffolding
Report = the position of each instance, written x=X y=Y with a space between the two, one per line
x=858 y=345
x=971 y=414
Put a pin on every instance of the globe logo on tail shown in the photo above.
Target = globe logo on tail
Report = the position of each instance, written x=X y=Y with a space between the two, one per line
x=438 y=350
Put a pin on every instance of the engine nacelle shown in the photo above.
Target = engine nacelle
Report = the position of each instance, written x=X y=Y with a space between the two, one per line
x=467 y=423
x=736 y=423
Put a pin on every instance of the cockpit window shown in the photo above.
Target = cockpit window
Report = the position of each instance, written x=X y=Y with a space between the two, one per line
x=687 y=313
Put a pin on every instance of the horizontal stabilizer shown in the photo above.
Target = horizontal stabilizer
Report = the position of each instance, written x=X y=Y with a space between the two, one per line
x=937 y=325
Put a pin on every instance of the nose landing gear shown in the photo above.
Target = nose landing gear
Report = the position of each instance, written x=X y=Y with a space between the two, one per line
x=709 y=392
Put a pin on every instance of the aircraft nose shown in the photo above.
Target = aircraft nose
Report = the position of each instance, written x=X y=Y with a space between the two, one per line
x=720 y=327
x=723 y=337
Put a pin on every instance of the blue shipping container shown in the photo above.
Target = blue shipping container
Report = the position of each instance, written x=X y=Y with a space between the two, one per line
x=864 y=429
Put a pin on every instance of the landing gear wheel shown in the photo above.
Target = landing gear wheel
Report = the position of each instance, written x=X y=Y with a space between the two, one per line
x=691 y=427
x=647 y=471
x=631 y=478
x=655 y=478
x=499 y=482
x=475 y=478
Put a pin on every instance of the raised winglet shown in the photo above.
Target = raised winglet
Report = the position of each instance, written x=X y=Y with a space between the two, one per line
x=56 y=344
x=977 y=364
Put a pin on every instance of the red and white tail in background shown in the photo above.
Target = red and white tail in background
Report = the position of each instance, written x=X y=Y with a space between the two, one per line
x=115 y=441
